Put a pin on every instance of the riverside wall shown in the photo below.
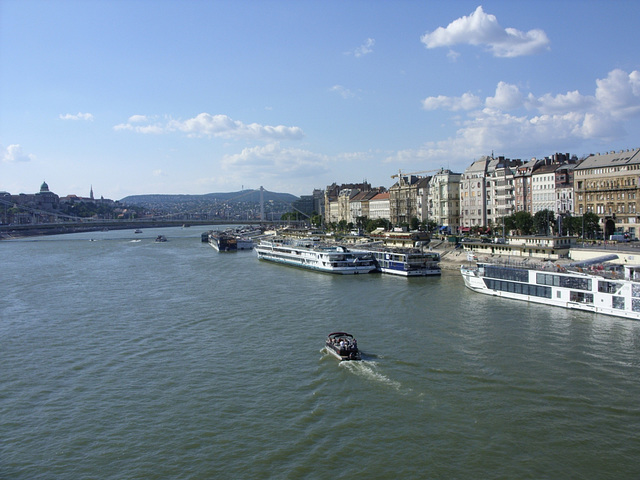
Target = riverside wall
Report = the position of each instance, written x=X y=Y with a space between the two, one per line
x=452 y=258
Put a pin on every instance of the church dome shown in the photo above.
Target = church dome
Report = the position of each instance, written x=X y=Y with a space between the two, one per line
x=44 y=187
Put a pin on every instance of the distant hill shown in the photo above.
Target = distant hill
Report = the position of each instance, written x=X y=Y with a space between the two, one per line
x=243 y=196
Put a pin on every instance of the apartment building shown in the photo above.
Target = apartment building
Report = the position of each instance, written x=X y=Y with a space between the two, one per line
x=564 y=189
x=379 y=206
x=403 y=199
x=473 y=191
x=543 y=188
x=444 y=199
x=423 y=199
x=359 y=204
x=522 y=186
x=336 y=203
x=487 y=191
x=607 y=185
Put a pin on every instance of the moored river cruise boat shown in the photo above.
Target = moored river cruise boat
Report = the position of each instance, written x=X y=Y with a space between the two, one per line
x=312 y=255
x=223 y=241
x=406 y=262
x=594 y=290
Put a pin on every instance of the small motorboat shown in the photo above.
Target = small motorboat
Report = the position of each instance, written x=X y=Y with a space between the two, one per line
x=343 y=346
x=161 y=238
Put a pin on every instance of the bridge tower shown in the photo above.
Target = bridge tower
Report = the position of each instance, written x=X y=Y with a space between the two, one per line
x=261 y=203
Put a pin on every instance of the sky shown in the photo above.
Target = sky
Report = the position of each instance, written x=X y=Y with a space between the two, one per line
x=194 y=96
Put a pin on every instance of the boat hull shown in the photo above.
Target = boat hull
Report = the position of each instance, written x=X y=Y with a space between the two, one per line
x=405 y=262
x=336 y=260
x=575 y=291
x=342 y=346
x=222 y=242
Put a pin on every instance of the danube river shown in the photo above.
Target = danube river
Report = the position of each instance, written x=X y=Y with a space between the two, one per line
x=126 y=358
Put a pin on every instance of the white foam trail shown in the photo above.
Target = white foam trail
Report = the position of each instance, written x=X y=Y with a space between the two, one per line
x=369 y=371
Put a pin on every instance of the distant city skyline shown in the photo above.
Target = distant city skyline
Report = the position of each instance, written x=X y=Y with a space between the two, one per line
x=199 y=97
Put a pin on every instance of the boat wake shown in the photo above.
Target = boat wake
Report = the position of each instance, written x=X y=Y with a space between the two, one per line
x=135 y=241
x=369 y=371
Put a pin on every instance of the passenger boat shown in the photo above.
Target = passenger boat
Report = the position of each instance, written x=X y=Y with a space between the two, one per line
x=595 y=289
x=222 y=241
x=407 y=262
x=244 y=243
x=343 y=346
x=312 y=255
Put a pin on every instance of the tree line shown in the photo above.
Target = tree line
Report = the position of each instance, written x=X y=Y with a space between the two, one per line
x=544 y=222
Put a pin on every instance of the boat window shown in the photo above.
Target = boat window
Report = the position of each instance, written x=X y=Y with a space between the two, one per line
x=618 y=302
x=635 y=290
x=522 y=288
x=506 y=273
x=581 y=297
x=635 y=304
x=548 y=279
x=579 y=283
x=608 y=287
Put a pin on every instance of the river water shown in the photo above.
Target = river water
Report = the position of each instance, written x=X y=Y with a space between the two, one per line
x=126 y=358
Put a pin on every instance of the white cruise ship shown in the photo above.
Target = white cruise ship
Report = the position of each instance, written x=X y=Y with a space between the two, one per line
x=406 y=262
x=598 y=291
x=312 y=255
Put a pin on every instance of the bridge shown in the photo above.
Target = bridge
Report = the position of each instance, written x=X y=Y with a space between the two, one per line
x=46 y=222
x=57 y=228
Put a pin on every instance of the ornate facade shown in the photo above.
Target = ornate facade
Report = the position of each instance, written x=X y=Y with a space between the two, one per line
x=607 y=185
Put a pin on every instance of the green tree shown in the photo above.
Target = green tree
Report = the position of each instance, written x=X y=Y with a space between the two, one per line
x=361 y=222
x=415 y=223
x=570 y=225
x=523 y=222
x=544 y=222
x=591 y=225
x=509 y=224
x=372 y=224
x=574 y=225
x=316 y=220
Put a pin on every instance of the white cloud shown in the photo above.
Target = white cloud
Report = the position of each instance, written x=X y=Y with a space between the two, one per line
x=453 y=55
x=137 y=118
x=571 y=101
x=342 y=91
x=514 y=121
x=364 y=49
x=480 y=28
x=619 y=93
x=78 y=116
x=507 y=97
x=467 y=101
x=207 y=125
x=13 y=154
x=273 y=160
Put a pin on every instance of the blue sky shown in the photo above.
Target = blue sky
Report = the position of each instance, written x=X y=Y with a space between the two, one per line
x=195 y=96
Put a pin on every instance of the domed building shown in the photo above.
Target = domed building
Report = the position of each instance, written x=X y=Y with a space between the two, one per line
x=46 y=199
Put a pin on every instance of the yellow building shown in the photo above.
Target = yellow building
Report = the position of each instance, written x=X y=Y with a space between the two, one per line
x=607 y=185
